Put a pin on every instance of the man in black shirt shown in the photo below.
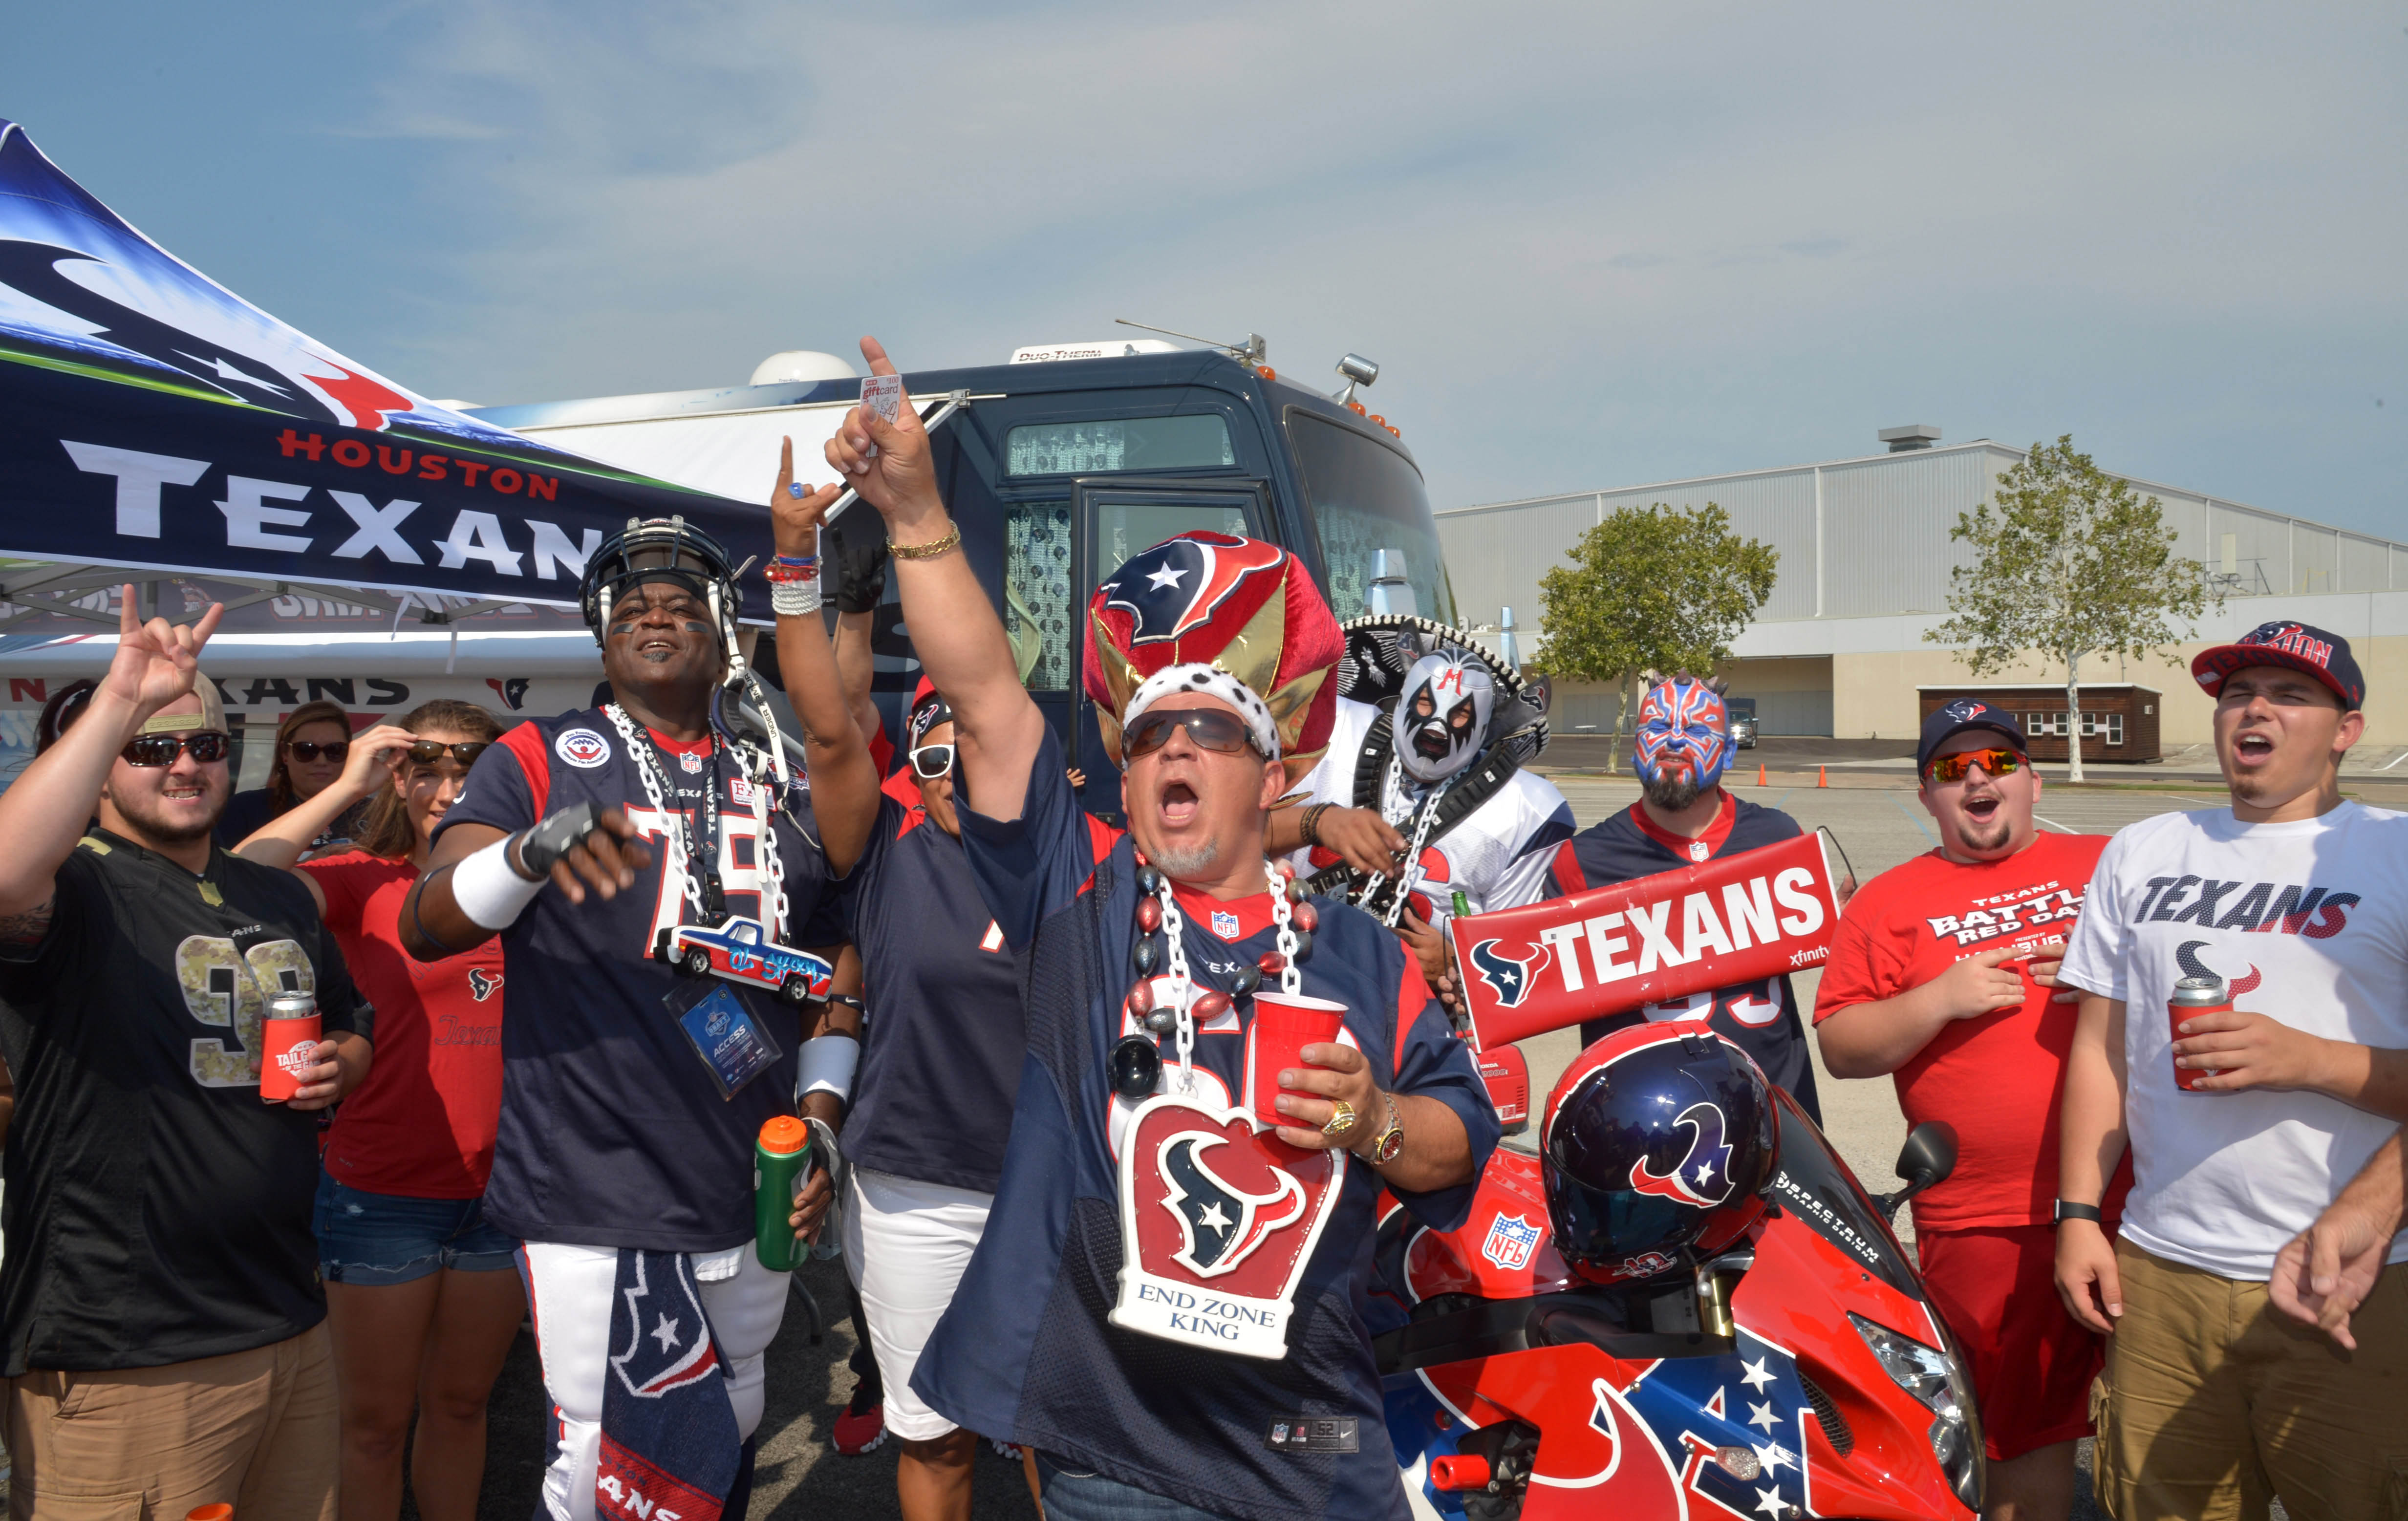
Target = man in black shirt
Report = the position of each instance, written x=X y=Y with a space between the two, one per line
x=161 y=1323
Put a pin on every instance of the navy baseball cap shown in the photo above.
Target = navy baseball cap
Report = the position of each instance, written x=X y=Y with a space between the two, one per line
x=2300 y=646
x=1956 y=717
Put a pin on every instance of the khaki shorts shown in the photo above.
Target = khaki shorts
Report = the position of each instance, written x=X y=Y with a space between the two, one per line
x=257 y=1429
x=2213 y=1402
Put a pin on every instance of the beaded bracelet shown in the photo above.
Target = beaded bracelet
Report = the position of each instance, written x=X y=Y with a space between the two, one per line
x=787 y=567
x=794 y=598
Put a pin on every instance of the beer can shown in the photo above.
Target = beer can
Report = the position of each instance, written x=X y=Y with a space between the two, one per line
x=288 y=1044
x=2194 y=997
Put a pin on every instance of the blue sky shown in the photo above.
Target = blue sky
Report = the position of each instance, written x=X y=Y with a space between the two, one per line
x=1592 y=245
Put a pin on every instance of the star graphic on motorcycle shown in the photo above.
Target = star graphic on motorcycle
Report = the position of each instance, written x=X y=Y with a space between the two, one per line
x=1165 y=577
x=1773 y=1457
x=1756 y=1377
x=1213 y=1217
x=1705 y=1174
x=1769 y=1502
x=666 y=1334
x=1762 y=1415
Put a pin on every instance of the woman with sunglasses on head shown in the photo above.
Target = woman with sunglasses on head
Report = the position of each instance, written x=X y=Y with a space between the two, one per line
x=945 y=1034
x=423 y=1295
x=313 y=743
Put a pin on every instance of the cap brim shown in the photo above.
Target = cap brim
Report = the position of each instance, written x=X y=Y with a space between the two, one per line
x=1923 y=756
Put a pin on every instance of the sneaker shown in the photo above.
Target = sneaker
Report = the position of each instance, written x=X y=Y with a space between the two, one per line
x=859 y=1429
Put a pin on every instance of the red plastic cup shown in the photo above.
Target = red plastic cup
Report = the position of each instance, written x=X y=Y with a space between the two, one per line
x=2192 y=997
x=1285 y=1024
x=286 y=1049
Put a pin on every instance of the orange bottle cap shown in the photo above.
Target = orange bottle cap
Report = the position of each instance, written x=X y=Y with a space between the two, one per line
x=784 y=1133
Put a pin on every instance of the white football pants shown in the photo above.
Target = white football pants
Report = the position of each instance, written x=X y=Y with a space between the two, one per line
x=568 y=1296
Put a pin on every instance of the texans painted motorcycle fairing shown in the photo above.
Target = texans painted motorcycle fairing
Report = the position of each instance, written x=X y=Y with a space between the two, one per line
x=1592 y=1403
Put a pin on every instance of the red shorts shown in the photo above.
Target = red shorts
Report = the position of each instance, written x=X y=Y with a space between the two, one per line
x=2032 y=1363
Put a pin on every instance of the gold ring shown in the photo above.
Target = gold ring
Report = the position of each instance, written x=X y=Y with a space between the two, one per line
x=1341 y=1118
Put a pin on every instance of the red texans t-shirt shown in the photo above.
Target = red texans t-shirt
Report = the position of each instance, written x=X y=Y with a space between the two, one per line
x=423 y=1123
x=1997 y=1078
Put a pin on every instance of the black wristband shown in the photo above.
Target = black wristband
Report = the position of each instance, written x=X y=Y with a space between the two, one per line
x=556 y=837
x=2068 y=1210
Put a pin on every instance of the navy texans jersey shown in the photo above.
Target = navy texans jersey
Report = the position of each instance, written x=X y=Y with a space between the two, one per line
x=1027 y=1350
x=612 y=1132
x=1762 y=1016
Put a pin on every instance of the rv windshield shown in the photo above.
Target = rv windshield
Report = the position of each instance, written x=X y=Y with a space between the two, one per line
x=1366 y=496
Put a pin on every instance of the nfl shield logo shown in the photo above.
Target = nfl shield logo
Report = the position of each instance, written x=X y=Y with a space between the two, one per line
x=691 y=762
x=1509 y=1241
x=1698 y=849
x=1224 y=924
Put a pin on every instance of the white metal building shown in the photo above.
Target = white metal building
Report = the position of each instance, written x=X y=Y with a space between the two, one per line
x=1865 y=563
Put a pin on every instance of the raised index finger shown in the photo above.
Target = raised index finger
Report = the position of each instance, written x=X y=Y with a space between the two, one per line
x=875 y=352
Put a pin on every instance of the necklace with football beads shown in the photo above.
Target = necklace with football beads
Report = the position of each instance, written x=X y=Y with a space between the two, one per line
x=1137 y=1060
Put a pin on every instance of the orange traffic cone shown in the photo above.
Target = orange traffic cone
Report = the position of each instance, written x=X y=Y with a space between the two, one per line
x=1821 y=778
x=1759 y=773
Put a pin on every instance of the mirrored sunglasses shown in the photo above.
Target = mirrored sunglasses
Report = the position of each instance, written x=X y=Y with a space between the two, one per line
x=310 y=749
x=1210 y=728
x=160 y=749
x=929 y=762
x=1999 y=762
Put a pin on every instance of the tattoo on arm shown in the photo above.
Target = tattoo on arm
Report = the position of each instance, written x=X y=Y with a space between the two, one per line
x=27 y=929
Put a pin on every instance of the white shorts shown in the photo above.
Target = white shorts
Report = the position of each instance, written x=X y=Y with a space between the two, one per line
x=906 y=1243
x=568 y=1296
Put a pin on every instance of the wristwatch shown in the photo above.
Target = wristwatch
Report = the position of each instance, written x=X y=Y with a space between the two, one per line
x=2068 y=1210
x=1386 y=1142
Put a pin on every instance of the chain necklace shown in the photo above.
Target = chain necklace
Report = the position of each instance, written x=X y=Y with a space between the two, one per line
x=682 y=849
x=1158 y=908
x=1394 y=798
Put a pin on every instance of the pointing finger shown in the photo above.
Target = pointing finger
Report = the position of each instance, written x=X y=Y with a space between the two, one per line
x=875 y=352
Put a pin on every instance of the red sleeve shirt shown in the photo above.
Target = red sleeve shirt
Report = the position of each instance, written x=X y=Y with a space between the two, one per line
x=423 y=1123
x=1997 y=1079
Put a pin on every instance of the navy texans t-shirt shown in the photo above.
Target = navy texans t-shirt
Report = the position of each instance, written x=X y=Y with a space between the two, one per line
x=612 y=1132
x=1762 y=1016
x=1027 y=1350
x=945 y=1034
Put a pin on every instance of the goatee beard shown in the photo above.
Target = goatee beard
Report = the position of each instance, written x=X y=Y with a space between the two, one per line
x=1183 y=865
x=1671 y=791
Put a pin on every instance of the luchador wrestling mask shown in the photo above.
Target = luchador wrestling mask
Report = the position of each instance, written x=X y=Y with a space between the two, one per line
x=1442 y=720
x=1685 y=723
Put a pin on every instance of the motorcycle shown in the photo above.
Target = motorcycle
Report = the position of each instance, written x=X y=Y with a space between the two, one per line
x=1799 y=1372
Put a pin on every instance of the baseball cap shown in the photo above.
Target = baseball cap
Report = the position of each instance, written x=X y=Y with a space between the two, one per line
x=2300 y=646
x=1955 y=718
x=211 y=718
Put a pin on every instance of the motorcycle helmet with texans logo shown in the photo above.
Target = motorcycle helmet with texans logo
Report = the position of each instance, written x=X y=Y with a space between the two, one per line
x=1657 y=1147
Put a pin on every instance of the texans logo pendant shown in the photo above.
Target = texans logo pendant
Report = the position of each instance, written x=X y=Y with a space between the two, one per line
x=1218 y=1220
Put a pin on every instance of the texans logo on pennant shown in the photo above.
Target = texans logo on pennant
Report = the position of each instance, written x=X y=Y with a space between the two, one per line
x=1218 y=1220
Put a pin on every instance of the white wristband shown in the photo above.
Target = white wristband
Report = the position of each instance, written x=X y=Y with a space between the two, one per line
x=826 y=1065
x=489 y=890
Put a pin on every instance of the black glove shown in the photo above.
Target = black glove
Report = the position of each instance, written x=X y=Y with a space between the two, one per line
x=852 y=558
x=557 y=836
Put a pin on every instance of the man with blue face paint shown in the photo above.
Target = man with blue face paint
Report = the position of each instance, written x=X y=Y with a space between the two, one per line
x=1683 y=817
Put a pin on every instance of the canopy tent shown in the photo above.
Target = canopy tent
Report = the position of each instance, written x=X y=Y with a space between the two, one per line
x=151 y=420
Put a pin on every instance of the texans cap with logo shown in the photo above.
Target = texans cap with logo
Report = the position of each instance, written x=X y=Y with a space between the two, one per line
x=2299 y=646
x=1946 y=722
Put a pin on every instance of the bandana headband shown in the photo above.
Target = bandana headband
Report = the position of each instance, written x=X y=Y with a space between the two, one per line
x=1212 y=681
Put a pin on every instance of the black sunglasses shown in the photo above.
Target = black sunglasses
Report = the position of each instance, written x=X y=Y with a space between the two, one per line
x=160 y=749
x=427 y=751
x=1210 y=728
x=309 y=750
x=929 y=762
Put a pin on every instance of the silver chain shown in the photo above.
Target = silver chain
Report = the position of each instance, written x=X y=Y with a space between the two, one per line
x=639 y=750
x=1392 y=790
x=758 y=774
x=763 y=776
x=1183 y=987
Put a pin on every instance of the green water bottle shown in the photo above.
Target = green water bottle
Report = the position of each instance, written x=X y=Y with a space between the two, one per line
x=780 y=1159
x=1462 y=905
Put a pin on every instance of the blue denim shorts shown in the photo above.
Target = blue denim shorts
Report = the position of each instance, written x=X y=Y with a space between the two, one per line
x=375 y=1240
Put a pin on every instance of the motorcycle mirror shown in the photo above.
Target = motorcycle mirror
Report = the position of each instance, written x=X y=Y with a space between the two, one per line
x=1929 y=1157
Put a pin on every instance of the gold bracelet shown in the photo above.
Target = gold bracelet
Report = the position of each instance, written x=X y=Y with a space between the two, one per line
x=929 y=550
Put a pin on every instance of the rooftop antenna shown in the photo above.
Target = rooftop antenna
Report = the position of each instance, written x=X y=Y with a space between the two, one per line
x=1254 y=350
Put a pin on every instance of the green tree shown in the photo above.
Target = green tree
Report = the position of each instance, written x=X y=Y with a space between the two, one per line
x=2068 y=561
x=1651 y=589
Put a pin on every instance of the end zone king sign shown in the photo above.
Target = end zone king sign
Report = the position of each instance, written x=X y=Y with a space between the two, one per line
x=1735 y=919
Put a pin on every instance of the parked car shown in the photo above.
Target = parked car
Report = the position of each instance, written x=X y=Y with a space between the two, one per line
x=1742 y=717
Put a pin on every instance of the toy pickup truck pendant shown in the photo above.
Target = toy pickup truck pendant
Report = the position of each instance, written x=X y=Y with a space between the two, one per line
x=740 y=951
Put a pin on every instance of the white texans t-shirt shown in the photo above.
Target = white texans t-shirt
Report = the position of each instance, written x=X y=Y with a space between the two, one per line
x=2307 y=923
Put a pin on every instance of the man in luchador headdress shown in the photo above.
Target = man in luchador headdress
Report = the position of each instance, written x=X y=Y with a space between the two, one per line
x=1685 y=816
x=1167 y=1297
x=1422 y=794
